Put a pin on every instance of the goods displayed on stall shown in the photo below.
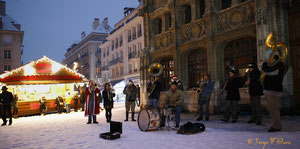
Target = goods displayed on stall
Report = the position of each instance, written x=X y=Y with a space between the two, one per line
x=43 y=77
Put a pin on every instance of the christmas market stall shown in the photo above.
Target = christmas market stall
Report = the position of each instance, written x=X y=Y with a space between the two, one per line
x=41 y=78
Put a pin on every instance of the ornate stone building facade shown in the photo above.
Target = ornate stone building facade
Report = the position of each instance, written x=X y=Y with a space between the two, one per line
x=11 y=39
x=191 y=38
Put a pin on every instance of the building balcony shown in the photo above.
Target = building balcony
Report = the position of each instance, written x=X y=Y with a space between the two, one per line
x=164 y=40
x=131 y=56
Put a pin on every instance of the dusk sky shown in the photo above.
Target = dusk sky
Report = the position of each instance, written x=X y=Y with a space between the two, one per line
x=51 y=26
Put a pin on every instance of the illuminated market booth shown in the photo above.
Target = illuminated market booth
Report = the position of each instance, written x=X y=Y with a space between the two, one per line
x=43 y=77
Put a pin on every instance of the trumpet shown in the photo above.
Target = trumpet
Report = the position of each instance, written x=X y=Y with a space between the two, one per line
x=199 y=89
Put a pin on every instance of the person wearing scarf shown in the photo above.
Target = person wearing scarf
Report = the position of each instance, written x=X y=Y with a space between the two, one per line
x=91 y=102
x=233 y=96
x=108 y=101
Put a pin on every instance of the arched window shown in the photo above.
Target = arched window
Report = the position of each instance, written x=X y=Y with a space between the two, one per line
x=239 y=53
x=197 y=67
x=168 y=72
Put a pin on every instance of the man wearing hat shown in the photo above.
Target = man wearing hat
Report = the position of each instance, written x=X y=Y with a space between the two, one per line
x=6 y=98
x=173 y=99
x=233 y=96
x=255 y=91
x=176 y=81
x=273 y=89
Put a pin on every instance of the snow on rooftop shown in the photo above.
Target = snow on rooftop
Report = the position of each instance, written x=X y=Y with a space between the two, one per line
x=8 y=23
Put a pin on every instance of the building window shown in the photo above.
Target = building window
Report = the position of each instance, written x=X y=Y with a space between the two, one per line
x=139 y=30
x=7 y=38
x=7 y=67
x=239 y=53
x=226 y=4
x=129 y=35
x=197 y=67
x=187 y=14
x=133 y=33
x=7 y=54
x=112 y=45
x=113 y=73
x=107 y=52
x=117 y=43
x=168 y=72
x=159 y=26
x=130 y=68
x=121 y=41
x=103 y=53
x=200 y=8
x=168 y=21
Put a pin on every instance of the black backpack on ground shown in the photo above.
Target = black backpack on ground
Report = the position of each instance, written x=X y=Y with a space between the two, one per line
x=191 y=128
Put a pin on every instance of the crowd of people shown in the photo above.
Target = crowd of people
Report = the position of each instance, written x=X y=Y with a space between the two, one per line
x=91 y=97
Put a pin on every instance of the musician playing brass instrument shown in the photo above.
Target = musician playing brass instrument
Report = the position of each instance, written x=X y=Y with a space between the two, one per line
x=153 y=89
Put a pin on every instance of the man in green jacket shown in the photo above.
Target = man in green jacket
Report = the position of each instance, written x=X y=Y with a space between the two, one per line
x=174 y=99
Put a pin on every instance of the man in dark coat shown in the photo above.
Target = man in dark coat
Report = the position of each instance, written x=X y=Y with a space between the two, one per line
x=273 y=89
x=255 y=91
x=153 y=89
x=233 y=96
x=59 y=104
x=130 y=92
x=6 y=98
x=108 y=101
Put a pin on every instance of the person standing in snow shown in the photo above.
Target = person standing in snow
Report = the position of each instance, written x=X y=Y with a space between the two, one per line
x=15 y=104
x=130 y=92
x=108 y=101
x=91 y=102
x=75 y=99
x=43 y=105
x=59 y=104
x=68 y=102
x=82 y=98
x=6 y=98
x=233 y=96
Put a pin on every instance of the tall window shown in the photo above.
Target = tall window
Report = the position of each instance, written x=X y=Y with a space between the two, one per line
x=226 y=4
x=168 y=21
x=107 y=49
x=168 y=72
x=133 y=33
x=200 y=8
x=239 y=53
x=159 y=26
x=117 y=42
x=197 y=67
x=7 y=54
x=112 y=45
x=187 y=14
x=129 y=35
x=139 y=30
x=121 y=40
x=7 y=67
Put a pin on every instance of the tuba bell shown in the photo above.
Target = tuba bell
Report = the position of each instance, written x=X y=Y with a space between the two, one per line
x=155 y=69
x=277 y=47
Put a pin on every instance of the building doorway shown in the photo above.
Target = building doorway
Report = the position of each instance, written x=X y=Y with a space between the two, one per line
x=197 y=67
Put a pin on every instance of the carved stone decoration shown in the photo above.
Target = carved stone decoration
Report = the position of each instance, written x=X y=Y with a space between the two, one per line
x=261 y=16
x=164 y=40
x=194 y=30
x=236 y=17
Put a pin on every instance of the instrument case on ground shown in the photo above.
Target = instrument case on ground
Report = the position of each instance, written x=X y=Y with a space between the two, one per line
x=115 y=131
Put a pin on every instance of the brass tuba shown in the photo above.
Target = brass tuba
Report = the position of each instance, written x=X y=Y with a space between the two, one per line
x=277 y=46
x=155 y=70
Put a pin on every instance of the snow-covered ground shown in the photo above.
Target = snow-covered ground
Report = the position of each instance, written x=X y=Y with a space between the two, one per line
x=71 y=131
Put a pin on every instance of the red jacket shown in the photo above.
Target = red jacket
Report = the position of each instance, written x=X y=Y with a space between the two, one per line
x=95 y=109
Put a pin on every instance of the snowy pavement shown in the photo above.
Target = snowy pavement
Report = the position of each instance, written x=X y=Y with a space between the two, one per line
x=71 y=131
